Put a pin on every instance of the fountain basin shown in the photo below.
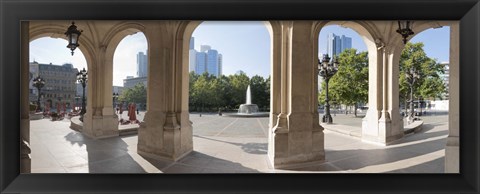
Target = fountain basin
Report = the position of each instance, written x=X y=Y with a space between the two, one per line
x=248 y=108
x=257 y=114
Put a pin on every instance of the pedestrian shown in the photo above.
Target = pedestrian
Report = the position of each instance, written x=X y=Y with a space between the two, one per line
x=137 y=111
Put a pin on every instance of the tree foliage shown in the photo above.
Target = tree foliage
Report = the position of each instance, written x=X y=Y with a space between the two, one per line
x=349 y=86
x=210 y=93
x=137 y=94
x=429 y=84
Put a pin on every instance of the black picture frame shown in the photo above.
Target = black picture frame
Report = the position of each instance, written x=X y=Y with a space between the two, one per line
x=12 y=12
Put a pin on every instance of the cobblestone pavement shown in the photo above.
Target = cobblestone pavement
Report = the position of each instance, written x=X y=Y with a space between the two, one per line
x=234 y=145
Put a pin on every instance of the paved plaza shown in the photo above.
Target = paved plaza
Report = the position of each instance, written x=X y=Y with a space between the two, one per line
x=234 y=145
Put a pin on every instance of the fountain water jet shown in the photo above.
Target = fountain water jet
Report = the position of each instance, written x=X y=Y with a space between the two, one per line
x=248 y=109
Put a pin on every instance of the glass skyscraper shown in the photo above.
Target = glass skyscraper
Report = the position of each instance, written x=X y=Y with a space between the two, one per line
x=337 y=44
x=141 y=64
x=205 y=60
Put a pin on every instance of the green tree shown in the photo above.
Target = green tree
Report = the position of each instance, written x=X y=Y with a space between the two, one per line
x=137 y=94
x=239 y=83
x=260 y=92
x=429 y=84
x=349 y=86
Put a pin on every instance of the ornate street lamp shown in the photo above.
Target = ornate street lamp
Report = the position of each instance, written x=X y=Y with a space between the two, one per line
x=38 y=82
x=82 y=77
x=73 y=35
x=404 y=29
x=411 y=77
x=115 y=96
x=327 y=69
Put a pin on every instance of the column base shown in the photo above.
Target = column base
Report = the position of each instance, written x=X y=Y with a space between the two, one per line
x=452 y=155
x=381 y=131
x=161 y=137
x=99 y=127
x=296 y=145
x=25 y=158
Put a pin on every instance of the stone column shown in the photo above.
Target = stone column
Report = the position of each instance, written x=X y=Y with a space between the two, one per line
x=100 y=121
x=161 y=135
x=295 y=140
x=452 y=151
x=383 y=122
x=25 y=159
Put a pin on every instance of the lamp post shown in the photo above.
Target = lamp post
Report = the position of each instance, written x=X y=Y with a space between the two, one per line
x=72 y=36
x=38 y=82
x=327 y=69
x=115 y=96
x=411 y=76
x=404 y=29
x=82 y=77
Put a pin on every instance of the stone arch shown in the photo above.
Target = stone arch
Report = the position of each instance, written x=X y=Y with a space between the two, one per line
x=418 y=27
x=186 y=30
x=370 y=37
x=109 y=45
x=57 y=30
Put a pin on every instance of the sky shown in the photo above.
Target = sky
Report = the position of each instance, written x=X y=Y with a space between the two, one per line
x=244 y=45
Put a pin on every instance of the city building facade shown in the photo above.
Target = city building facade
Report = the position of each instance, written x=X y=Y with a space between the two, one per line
x=131 y=82
x=59 y=83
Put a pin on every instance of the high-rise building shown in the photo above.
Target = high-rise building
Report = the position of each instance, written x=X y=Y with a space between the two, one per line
x=220 y=64
x=59 y=83
x=205 y=48
x=192 y=59
x=192 y=43
x=446 y=78
x=337 y=44
x=207 y=60
x=212 y=62
x=201 y=63
x=142 y=67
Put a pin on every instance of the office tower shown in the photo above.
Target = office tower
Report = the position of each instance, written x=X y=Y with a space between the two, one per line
x=205 y=48
x=220 y=65
x=212 y=62
x=142 y=64
x=201 y=63
x=337 y=44
x=207 y=60
x=192 y=60
x=192 y=43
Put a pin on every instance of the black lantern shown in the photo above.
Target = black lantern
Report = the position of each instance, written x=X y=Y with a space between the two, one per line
x=38 y=82
x=327 y=69
x=404 y=29
x=82 y=77
x=73 y=35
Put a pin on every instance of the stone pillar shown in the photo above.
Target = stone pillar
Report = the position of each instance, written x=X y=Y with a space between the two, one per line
x=452 y=150
x=383 y=122
x=161 y=135
x=25 y=159
x=298 y=139
x=100 y=121
x=275 y=31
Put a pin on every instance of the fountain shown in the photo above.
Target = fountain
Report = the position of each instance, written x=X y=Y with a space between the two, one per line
x=248 y=109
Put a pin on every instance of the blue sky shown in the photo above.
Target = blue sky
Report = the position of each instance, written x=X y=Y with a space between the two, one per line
x=244 y=46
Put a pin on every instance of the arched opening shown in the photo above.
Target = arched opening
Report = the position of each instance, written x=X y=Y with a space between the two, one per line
x=225 y=58
x=348 y=87
x=60 y=99
x=129 y=82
